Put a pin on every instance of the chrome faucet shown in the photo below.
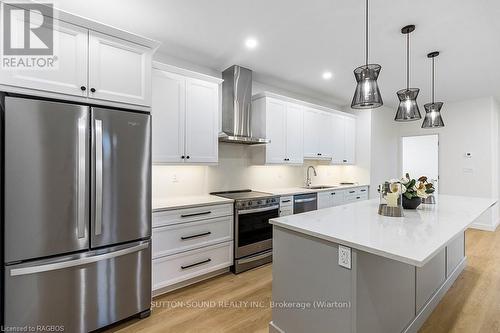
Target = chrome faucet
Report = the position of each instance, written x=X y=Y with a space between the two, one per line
x=308 y=179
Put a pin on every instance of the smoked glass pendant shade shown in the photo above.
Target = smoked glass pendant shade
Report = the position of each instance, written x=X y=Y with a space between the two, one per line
x=408 y=108
x=367 y=94
x=433 y=117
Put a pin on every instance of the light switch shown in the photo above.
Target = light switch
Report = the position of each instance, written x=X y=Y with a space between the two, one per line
x=345 y=256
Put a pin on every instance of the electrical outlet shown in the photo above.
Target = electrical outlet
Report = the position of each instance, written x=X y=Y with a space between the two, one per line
x=345 y=256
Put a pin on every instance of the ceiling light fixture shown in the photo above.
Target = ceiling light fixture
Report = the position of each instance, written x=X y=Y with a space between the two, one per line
x=327 y=75
x=433 y=117
x=408 y=107
x=251 y=43
x=367 y=94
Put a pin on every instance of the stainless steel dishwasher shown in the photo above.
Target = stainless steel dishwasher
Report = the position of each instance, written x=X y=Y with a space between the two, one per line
x=305 y=202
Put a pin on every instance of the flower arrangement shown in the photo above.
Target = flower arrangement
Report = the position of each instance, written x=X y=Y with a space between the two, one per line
x=420 y=188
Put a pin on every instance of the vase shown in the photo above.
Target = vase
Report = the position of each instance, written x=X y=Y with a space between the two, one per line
x=412 y=203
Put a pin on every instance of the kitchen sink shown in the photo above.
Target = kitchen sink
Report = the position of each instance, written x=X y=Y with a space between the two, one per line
x=319 y=187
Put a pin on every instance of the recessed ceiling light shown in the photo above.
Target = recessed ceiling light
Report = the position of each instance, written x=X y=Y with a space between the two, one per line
x=327 y=75
x=251 y=43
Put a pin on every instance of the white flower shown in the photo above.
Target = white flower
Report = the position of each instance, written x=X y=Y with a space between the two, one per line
x=404 y=180
x=403 y=189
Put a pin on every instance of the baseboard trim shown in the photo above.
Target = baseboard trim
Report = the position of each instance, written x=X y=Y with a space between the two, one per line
x=431 y=304
x=483 y=227
x=189 y=282
x=274 y=329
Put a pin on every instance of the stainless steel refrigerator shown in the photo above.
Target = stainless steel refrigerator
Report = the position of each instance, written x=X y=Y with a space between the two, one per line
x=76 y=214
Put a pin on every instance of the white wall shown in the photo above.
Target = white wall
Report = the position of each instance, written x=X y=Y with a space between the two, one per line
x=384 y=148
x=470 y=126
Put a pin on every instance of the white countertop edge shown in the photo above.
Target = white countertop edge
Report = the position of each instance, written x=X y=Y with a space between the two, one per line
x=190 y=202
x=300 y=190
x=414 y=261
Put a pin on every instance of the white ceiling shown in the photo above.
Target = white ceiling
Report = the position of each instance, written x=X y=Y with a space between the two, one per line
x=300 y=39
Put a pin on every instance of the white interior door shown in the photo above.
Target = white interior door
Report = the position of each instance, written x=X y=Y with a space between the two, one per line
x=420 y=157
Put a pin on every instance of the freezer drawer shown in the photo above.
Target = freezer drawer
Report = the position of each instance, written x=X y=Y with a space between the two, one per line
x=46 y=178
x=81 y=292
x=121 y=177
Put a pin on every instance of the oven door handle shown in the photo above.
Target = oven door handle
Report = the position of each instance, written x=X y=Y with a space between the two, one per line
x=305 y=200
x=257 y=210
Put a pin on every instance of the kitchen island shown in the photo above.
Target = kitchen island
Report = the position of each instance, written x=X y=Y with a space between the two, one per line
x=348 y=269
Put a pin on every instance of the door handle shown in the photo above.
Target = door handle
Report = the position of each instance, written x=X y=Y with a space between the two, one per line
x=81 y=177
x=196 y=214
x=98 y=176
x=196 y=236
x=305 y=200
x=76 y=262
x=196 y=264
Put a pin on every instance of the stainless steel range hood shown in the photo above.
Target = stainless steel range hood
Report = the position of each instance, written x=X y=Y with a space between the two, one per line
x=236 y=107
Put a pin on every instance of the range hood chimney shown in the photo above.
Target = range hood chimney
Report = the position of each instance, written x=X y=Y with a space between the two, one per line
x=236 y=107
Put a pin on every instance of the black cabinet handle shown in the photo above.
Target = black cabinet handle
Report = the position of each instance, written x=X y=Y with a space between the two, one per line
x=183 y=157
x=92 y=89
x=196 y=214
x=363 y=190
x=196 y=264
x=333 y=193
x=358 y=197
x=187 y=157
x=286 y=200
x=83 y=88
x=352 y=191
x=345 y=161
x=319 y=154
x=197 y=235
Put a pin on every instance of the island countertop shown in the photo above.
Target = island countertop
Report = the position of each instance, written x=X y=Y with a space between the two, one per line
x=413 y=239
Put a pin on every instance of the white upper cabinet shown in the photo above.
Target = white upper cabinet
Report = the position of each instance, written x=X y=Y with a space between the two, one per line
x=89 y=61
x=202 y=121
x=168 y=125
x=282 y=123
x=69 y=73
x=350 y=141
x=119 y=70
x=185 y=117
x=317 y=134
x=294 y=134
x=344 y=139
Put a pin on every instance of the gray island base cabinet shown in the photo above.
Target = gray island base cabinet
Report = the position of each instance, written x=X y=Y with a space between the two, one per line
x=377 y=294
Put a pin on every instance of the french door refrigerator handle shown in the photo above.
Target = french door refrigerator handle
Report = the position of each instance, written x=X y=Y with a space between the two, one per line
x=98 y=176
x=76 y=262
x=81 y=189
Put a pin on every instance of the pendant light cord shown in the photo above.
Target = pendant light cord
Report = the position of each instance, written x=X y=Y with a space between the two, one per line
x=433 y=80
x=366 y=27
x=408 y=61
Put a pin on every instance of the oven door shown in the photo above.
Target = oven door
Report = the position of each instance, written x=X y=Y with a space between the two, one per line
x=253 y=231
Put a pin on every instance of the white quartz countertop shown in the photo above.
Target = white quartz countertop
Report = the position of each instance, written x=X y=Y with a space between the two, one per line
x=160 y=204
x=302 y=190
x=413 y=239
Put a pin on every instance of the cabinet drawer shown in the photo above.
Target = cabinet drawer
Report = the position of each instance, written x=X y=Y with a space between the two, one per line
x=191 y=214
x=285 y=211
x=286 y=201
x=355 y=197
x=357 y=190
x=187 y=265
x=182 y=237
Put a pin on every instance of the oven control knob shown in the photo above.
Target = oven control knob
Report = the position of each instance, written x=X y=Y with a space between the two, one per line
x=249 y=203
x=259 y=202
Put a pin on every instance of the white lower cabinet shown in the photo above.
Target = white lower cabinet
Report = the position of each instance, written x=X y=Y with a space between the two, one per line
x=333 y=198
x=183 y=266
x=286 y=205
x=190 y=243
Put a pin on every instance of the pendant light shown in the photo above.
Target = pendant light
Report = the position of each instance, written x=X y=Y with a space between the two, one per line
x=408 y=107
x=433 y=110
x=367 y=94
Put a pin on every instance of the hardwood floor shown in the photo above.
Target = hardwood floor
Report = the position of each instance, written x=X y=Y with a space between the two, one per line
x=471 y=305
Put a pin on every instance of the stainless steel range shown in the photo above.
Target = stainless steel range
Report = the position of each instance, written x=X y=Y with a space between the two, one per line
x=253 y=235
